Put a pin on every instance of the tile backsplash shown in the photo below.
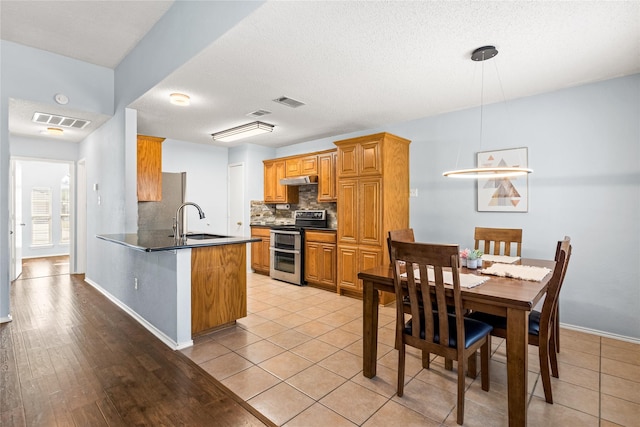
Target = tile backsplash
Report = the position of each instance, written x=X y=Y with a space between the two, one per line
x=266 y=213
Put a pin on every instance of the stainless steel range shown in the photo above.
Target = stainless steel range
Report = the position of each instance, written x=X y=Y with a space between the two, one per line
x=287 y=245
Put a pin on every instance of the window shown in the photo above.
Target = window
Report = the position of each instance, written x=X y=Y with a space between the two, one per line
x=41 y=216
x=64 y=210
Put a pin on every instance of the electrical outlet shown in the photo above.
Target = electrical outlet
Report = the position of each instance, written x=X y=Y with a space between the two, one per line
x=413 y=192
x=135 y=283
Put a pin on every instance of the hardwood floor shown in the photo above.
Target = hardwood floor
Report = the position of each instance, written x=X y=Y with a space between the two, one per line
x=71 y=357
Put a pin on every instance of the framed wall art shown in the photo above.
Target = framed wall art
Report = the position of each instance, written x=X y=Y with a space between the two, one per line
x=503 y=194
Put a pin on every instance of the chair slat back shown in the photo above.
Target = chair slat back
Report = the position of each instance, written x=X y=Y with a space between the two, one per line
x=403 y=235
x=494 y=239
x=435 y=258
x=553 y=288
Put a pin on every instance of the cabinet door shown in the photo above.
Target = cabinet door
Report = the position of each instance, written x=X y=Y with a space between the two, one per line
x=367 y=258
x=327 y=265
x=281 y=190
x=348 y=267
x=266 y=255
x=369 y=158
x=293 y=167
x=347 y=208
x=149 y=162
x=347 y=161
x=312 y=254
x=327 y=177
x=309 y=165
x=370 y=211
x=269 y=182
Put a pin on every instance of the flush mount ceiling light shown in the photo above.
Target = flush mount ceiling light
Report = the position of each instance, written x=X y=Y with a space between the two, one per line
x=482 y=54
x=180 y=99
x=244 y=131
x=54 y=131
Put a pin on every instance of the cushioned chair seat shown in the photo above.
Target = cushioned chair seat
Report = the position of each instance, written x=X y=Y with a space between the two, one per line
x=474 y=330
x=500 y=322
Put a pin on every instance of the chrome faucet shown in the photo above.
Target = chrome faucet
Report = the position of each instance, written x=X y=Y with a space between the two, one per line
x=180 y=234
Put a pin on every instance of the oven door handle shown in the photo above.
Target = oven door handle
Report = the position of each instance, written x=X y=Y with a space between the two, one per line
x=286 y=251
x=294 y=232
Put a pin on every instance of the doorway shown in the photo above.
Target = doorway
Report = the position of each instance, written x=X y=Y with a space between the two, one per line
x=43 y=195
x=235 y=219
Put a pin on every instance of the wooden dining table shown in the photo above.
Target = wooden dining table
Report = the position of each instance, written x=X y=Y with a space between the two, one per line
x=503 y=296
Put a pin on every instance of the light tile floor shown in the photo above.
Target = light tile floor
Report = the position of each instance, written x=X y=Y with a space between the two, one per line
x=297 y=358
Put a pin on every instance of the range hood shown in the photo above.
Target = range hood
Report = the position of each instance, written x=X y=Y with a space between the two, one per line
x=300 y=180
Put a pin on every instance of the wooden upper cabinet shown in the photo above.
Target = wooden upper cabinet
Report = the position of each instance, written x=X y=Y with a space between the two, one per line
x=149 y=161
x=347 y=162
x=274 y=192
x=359 y=159
x=370 y=161
x=301 y=166
x=327 y=177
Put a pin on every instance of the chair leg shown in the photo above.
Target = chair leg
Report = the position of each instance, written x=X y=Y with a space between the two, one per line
x=472 y=370
x=461 y=386
x=401 y=360
x=556 y=329
x=448 y=364
x=553 y=358
x=425 y=359
x=485 y=354
x=543 y=351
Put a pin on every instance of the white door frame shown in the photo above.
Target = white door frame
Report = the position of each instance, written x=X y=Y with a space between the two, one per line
x=72 y=201
x=236 y=221
x=80 y=264
x=17 y=222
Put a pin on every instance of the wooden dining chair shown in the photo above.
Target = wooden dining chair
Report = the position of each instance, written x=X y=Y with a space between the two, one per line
x=449 y=335
x=541 y=323
x=403 y=235
x=562 y=244
x=491 y=240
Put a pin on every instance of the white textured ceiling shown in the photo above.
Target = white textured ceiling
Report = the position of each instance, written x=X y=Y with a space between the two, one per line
x=359 y=65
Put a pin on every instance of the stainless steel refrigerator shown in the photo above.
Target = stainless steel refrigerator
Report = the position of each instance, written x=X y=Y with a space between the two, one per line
x=160 y=215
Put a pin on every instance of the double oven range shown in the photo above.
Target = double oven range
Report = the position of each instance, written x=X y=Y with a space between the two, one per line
x=287 y=245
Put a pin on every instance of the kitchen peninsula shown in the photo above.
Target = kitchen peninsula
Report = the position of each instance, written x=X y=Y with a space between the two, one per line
x=177 y=289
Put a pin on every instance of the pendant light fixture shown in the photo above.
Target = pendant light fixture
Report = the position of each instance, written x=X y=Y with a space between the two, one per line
x=482 y=54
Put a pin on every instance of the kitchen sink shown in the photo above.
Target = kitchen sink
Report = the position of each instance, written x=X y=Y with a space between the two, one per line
x=203 y=236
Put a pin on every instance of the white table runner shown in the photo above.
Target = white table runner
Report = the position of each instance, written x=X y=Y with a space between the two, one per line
x=501 y=258
x=524 y=272
x=466 y=280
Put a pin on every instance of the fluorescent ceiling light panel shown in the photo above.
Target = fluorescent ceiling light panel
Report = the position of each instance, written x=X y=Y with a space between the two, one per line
x=244 y=131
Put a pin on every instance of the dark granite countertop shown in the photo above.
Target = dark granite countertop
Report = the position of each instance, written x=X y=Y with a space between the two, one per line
x=151 y=241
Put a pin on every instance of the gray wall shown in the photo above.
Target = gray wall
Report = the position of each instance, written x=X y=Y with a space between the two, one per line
x=584 y=146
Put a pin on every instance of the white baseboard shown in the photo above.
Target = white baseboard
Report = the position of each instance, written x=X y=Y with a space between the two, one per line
x=141 y=320
x=6 y=319
x=600 y=333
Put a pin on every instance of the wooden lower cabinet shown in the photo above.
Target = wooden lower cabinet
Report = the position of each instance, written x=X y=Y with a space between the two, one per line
x=218 y=286
x=260 y=256
x=320 y=267
x=351 y=261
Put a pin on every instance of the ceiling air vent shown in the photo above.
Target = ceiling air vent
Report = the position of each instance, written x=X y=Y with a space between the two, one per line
x=67 y=122
x=289 y=102
x=259 y=113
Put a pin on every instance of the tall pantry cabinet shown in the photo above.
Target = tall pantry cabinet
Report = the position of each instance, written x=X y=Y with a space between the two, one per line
x=373 y=198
